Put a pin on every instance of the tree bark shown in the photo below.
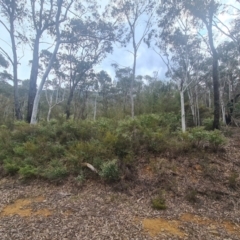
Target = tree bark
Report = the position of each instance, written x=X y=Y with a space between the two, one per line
x=216 y=123
x=133 y=80
x=15 y=62
x=183 y=111
x=33 y=78
x=39 y=91
x=69 y=101
x=215 y=76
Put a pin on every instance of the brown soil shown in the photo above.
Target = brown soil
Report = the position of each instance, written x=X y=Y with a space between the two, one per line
x=202 y=197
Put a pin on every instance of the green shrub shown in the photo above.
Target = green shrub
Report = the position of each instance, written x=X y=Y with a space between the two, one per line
x=208 y=124
x=110 y=171
x=11 y=166
x=55 y=170
x=169 y=121
x=198 y=136
x=28 y=171
x=159 y=202
x=81 y=177
x=157 y=142
x=216 y=139
x=55 y=173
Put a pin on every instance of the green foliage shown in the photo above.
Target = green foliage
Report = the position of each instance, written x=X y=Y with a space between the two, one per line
x=208 y=124
x=11 y=166
x=110 y=171
x=56 y=149
x=159 y=202
x=28 y=171
x=200 y=138
x=81 y=177
x=216 y=139
x=56 y=170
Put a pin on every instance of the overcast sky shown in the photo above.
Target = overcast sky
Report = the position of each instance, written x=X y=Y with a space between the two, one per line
x=147 y=60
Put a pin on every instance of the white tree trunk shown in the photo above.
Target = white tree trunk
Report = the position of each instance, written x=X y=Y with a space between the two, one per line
x=39 y=90
x=49 y=114
x=222 y=104
x=183 y=111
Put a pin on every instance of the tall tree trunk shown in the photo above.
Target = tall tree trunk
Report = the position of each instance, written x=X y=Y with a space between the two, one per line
x=33 y=78
x=69 y=101
x=133 y=76
x=49 y=114
x=197 y=107
x=15 y=66
x=190 y=96
x=216 y=122
x=39 y=91
x=215 y=76
x=133 y=80
x=182 y=111
x=209 y=99
x=222 y=105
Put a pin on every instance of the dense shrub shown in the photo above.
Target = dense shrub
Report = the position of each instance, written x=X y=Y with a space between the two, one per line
x=110 y=171
x=56 y=149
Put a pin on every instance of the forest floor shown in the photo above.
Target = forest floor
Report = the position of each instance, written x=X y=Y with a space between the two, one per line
x=201 y=192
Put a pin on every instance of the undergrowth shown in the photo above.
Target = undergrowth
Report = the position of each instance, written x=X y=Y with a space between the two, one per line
x=58 y=149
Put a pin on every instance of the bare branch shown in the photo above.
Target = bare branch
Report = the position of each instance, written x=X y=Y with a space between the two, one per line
x=4 y=25
x=6 y=54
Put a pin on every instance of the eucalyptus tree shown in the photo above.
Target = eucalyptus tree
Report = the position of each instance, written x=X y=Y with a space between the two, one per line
x=123 y=79
x=49 y=18
x=104 y=90
x=85 y=91
x=12 y=14
x=228 y=57
x=87 y=43
x=229 y=75
x=230 y=28
x=179 y=49
x=205 y=11
x=137 y=15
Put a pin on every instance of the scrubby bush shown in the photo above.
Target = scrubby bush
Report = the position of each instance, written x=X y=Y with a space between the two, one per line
x=216 y=139
x=110 y=171
x=201 y=137
x=11 y=166
x=28 y=171
x=55 y=173
x=159 y=202
x=208 y=124
x=59 y=148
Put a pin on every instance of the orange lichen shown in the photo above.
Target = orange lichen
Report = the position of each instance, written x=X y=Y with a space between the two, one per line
x=229 y=227
x=157 y=226
x=22 y=207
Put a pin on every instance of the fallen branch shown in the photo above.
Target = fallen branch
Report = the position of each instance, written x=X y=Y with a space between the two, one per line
x=91 y=167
